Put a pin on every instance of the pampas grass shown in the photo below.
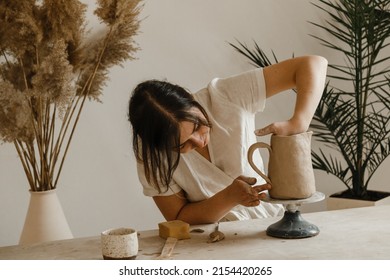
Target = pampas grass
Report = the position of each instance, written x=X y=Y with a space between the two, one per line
x=48 y=70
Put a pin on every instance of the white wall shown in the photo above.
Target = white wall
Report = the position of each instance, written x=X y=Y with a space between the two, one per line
x=183 y=41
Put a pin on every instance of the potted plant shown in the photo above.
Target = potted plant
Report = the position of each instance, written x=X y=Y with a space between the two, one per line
x=49 y=67
x=353 y=118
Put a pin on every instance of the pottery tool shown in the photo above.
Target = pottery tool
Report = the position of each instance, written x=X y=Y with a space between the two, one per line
x=216 y=235
x=167 y=250
x=172 y=231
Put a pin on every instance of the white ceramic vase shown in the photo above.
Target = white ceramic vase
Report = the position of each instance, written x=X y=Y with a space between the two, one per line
x=45 y=219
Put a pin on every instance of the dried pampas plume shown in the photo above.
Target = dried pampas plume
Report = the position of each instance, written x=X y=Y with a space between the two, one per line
x=48 y=69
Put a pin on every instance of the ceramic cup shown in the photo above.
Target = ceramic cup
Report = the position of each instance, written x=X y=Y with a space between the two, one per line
x=119 y=244
x=290 y=169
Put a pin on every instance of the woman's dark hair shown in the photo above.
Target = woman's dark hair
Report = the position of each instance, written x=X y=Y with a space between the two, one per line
x=156 y=109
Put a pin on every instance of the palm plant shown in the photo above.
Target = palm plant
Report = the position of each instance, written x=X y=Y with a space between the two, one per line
x=353 y=118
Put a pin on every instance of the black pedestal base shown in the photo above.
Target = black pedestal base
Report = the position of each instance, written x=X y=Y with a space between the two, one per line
x=292 y=226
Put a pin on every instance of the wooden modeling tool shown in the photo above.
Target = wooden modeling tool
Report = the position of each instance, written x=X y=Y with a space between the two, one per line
x=167 y=250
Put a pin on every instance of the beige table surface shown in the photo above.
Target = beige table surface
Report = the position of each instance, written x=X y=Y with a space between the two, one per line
x=359 y=233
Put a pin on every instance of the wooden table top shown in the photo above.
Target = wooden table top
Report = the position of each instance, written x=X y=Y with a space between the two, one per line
x=358 y=233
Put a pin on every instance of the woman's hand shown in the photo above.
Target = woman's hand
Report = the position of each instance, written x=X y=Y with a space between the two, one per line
x=242 y=191
x=284 y=128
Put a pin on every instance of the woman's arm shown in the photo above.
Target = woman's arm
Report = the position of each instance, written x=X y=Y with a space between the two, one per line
x=307 y=75
x=214 y=208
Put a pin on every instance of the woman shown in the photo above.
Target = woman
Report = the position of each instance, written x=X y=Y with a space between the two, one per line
x=191 y=149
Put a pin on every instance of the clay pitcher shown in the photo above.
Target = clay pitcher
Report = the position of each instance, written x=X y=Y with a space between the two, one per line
x=290 y=169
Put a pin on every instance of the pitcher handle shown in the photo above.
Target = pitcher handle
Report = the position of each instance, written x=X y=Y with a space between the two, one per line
x=251 y=150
